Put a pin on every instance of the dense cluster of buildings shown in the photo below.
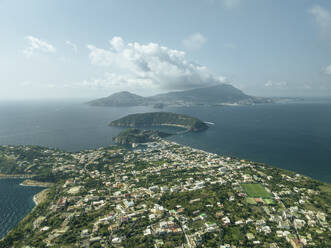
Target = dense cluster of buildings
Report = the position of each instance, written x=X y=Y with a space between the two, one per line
x=167 y=195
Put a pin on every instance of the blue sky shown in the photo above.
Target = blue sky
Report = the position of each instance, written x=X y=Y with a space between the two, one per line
x=55 y=49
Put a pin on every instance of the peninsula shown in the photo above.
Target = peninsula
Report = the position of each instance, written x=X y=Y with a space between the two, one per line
x=166 y=195
x=161 y=119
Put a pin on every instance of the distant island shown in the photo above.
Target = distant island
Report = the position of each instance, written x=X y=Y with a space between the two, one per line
x=221 y=94
x=161 y=119
x=133 y=136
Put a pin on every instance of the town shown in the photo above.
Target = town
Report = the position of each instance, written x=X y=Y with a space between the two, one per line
x=162 y=194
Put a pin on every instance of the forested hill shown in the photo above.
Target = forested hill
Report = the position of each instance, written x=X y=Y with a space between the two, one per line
x=160 y=119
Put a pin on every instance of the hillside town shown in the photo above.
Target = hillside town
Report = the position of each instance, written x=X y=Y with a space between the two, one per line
x=163 y=194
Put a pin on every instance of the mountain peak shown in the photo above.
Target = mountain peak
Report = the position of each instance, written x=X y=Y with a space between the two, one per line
x=123 y=93
x=119 y=99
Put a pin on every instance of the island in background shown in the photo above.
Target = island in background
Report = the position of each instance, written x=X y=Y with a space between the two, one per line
x=221 y=94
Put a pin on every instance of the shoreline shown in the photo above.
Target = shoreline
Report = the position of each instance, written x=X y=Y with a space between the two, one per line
x=33 y=183
x=40 y=197
x=35 y=200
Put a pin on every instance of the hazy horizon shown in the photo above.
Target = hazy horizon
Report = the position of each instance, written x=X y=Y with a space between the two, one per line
x=85 y=50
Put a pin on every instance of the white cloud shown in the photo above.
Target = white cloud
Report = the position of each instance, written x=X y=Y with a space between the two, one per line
x=231 y=4
x=323 y=18
x=327 y=70
x=194 y=41
x=148 y=66
x=116 y=81
x=72 y=45
x=117 y=43
x=279 y=84
x=36 y=44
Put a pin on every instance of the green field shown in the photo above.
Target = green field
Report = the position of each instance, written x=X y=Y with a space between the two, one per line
x=269 y=201
x=251 y=201
x=255 y=190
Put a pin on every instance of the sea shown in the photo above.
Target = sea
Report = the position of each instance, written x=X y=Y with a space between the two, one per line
x=15 y=202
x=294 y=136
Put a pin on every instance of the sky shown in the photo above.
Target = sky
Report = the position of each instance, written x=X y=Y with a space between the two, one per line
x=88 y=49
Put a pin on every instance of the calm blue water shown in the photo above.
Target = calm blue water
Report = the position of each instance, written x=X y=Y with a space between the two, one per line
x=296 y=137
x=15 y=202
x=70 y=126
x=293 y=136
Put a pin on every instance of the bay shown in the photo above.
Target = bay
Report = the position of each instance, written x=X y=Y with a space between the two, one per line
x=293 y=136
x=15 y=202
